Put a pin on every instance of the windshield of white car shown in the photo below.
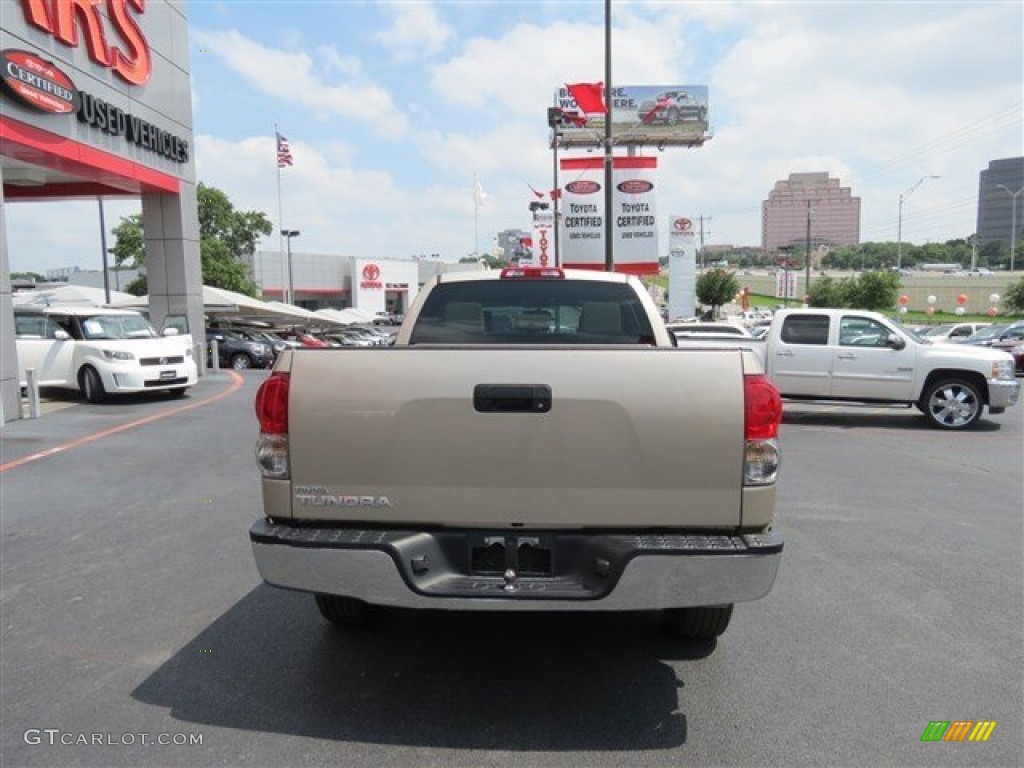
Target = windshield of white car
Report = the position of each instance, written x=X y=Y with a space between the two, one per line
x=117 y=327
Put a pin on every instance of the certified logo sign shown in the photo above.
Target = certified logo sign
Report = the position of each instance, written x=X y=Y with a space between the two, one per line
x=38 y=83
x=583 y=187
x=682 y=225
x=635 y=187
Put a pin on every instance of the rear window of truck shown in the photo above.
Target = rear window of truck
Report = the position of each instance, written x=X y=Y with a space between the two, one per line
x=532 y=312
x=805 y=329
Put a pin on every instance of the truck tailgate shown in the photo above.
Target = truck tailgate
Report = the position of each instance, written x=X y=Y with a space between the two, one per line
x=464 y=436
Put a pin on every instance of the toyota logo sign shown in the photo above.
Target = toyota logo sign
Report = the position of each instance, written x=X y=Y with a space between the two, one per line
x=371 y=277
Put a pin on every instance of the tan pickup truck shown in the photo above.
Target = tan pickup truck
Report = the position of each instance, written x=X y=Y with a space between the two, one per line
x=533 y=441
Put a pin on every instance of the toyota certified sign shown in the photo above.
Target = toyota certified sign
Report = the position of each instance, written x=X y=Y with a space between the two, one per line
x=38 y=83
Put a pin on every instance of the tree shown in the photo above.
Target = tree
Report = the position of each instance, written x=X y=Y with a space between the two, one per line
x=873 y=290
x=717 y=287
x=1013 y=299
x=493 y=262
x=35 y=277
x=827 y=292
x=129 y=250
x=225 y=236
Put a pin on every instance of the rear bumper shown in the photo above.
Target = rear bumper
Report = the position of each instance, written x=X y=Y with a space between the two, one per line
x=583 y=571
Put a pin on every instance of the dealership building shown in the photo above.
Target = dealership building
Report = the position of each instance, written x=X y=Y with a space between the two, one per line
x=96 y=102
x=332 y=281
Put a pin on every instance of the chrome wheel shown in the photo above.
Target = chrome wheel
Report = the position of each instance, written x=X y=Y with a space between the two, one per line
x=241 y=362
x=953 y=404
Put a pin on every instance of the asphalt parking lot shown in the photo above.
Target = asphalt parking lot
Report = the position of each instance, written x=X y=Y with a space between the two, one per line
x=132 y=614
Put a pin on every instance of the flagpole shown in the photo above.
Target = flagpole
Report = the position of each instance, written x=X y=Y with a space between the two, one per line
x=476 y=216
x=280 y=220
x=609 y=231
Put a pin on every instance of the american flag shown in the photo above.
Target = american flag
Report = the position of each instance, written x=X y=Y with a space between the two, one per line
x=284 y=152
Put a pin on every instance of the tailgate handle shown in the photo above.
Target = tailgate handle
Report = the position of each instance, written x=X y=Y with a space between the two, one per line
x=512 y=398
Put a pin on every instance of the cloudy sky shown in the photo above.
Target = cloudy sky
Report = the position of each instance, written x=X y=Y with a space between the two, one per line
x=392 y=108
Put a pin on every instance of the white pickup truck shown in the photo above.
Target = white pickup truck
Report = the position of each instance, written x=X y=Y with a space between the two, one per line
x=533 y=441
x=858 y=356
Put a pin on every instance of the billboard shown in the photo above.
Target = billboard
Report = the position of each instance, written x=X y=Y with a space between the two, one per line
x=642 y=115
x=582 y=223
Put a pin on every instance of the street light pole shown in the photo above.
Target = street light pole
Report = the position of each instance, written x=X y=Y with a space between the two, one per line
x=609 y=230
x=555 y=121
x=1013 y=219
x=807 y=256
x=288 y=234
x=899 y=226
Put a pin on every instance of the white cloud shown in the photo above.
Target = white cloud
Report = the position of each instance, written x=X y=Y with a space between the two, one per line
x=291 y=77
x=416 y=30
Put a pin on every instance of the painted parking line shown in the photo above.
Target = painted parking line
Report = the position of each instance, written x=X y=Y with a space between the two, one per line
x=236 y=384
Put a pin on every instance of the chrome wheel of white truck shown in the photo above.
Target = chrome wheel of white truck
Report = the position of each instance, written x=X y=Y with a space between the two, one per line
x=705 y=622
x=953 y=404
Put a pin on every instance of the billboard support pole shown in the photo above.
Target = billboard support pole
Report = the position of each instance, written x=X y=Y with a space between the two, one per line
x=555 y=118
x=555 y=194
x=609 y=258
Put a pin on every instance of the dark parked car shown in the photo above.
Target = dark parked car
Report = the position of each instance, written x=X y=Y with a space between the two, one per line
x=1007 y=337
x=237 y=352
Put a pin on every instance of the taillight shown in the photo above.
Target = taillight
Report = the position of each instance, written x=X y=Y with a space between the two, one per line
x=272 y=450
x=272 y=404
x=532 y=273
x=762 y=416
x=762 y=407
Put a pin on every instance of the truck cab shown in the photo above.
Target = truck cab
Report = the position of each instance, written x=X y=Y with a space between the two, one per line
x=860 y=356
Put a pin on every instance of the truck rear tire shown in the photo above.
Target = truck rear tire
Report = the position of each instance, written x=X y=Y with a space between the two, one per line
x=705 y=622
x=343 y=612
x=952 y=404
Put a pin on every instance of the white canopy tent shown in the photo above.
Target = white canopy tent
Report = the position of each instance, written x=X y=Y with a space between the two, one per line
x=71 y=295
x=348 y=316
x=219 y=301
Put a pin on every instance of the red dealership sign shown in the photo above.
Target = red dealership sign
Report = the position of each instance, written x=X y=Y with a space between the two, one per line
x=113 y=40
